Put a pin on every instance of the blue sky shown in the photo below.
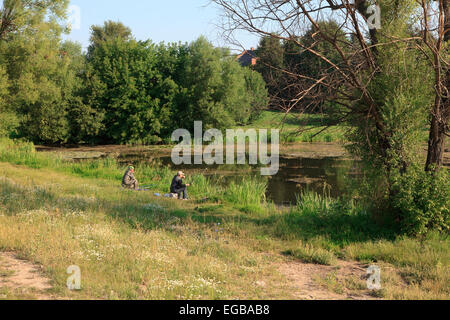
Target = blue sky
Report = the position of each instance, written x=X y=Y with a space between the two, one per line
x=168 y=21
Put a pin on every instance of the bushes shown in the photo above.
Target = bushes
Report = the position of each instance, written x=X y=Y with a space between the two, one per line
x=8 y=124
x=421 y=200
x=147 y=91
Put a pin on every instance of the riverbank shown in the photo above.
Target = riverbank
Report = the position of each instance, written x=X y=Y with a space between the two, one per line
x=132 y=245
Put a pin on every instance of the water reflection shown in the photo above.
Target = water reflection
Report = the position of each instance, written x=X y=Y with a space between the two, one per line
x=329 y=175
x=310 y=171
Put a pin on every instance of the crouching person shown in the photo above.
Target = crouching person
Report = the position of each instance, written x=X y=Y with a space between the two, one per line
x=128 y=180
x=178 y=187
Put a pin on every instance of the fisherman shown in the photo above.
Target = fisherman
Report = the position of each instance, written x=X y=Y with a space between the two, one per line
x=128 y=180
x=178 y=187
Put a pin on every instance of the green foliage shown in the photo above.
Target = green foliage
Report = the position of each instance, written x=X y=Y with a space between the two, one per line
x=8 y=120
x=340 y=221
x=402 y=90
x=280 y=61
x=310 y=254
x=389 y=143
x=121 y=91
x=27 y=17
x=203 y=95
x=8 y=124
x=422 y=200
x=126 y=87
x=110 y=30
x=146 y=91
x=270 y=53
x=215 y=89
x=257 y=93
x=3 y=87
x=38 y=74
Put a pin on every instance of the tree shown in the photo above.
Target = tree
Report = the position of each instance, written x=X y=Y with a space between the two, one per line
x=270 y=53
x=84 y=122
x=36 y=71
x=3 y=86
x=435 y=45
x=8 y=120
x=256 y=92
x=126 y=87
x=142 y=92
x=110 y=30
x=23 y=16
x=214 y=88
x=379 y=82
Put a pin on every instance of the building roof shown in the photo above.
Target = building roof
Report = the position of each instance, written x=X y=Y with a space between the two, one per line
x=247 y=58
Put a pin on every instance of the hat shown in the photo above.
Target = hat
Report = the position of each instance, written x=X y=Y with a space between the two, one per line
x=180 y=173
x=131 y=168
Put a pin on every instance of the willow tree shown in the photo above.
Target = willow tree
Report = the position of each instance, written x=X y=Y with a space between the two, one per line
x=25 y=15
x=380 y=82
x=37 y=72
x=435 y=44
x=357 y=43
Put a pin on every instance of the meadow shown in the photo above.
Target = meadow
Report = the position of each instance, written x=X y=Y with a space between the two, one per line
x=314 y=127
x=226 y=243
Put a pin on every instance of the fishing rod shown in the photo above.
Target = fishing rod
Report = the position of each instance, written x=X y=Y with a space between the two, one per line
x=149 y=186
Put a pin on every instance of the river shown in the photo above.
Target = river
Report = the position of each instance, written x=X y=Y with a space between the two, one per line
x=324 y=168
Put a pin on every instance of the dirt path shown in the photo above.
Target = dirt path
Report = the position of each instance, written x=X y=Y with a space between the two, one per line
x=345 y=281
x=22 y=279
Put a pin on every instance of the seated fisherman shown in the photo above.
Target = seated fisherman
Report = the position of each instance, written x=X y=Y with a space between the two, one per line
x=128 y=180
x=178 y=187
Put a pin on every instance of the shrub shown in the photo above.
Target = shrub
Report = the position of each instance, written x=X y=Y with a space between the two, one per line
x=422 y=200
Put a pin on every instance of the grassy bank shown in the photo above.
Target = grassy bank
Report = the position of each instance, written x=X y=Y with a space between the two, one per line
x=301 y=128
x=307 y=127
x=248 y=195
x=132 y=245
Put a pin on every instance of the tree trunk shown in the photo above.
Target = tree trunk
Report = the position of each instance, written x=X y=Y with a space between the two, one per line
x=436 y=145
x=441 y=110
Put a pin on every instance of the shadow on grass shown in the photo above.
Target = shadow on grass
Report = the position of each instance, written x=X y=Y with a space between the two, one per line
x=339 y=228
x=339 y=225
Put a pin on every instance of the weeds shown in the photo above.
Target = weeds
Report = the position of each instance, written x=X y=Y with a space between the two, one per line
x=131 y=245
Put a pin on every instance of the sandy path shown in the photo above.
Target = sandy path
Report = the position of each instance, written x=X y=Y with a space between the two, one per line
x=307 y=282
x=23 y=277
x=313 y=282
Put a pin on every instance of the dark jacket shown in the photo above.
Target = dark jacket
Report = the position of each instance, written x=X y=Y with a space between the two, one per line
x=177 y=184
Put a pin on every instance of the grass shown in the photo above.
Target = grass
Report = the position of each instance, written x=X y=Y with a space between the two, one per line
x=301 y=128
x=332 y=283
x=307 y=127
x=131 y=245
x=311 y=254
x=250 y=194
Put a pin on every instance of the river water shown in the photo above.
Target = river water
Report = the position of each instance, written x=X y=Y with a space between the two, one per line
x=322 y=168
